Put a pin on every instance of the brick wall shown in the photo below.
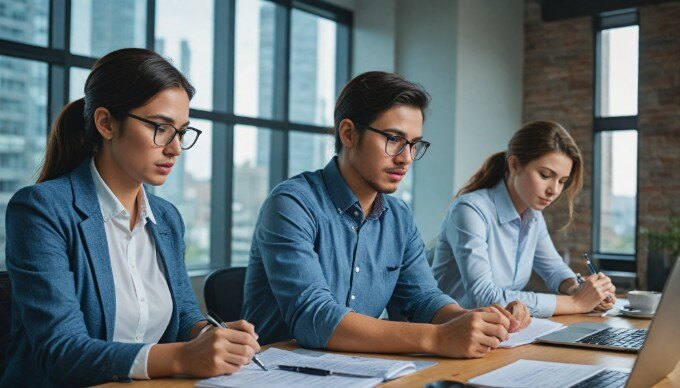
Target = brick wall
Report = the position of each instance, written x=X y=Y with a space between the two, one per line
x=558 y=85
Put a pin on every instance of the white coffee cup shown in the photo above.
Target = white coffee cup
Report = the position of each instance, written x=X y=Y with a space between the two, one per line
x=644 y=301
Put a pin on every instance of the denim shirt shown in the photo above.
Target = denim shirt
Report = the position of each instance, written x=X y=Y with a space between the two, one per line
x=485 y=253
x=313 y=260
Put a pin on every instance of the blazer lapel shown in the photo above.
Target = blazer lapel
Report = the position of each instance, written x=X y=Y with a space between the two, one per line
x=94 y=235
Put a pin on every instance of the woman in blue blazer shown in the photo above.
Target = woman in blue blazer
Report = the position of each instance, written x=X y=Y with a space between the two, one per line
x=494 y=233
x=100 y=289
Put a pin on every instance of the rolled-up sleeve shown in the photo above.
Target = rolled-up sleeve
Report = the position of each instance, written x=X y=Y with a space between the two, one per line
x=548 y=263
x=416 y=293
x=466 y=231
x=286 y=242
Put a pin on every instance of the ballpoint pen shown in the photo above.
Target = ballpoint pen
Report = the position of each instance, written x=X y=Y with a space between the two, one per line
x=216 y=321
x=320 y=372
x=592 y=270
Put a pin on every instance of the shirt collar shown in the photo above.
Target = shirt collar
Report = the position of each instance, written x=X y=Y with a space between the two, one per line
x=342 y=196
x=505 y=208
x=110 y=205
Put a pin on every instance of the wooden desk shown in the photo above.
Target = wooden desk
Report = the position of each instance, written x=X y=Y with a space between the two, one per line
x=462 y=370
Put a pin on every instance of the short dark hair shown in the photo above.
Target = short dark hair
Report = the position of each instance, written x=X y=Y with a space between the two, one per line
x=370 y=94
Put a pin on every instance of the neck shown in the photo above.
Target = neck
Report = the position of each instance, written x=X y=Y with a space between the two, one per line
x=122 y=186
x=520 y=206
x=364 y=192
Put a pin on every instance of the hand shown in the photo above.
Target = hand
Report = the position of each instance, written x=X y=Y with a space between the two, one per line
x=521 y=314
x=607 y=303
x=471 y=335
x=514 y=323
x=595 y=289
x=219 y=351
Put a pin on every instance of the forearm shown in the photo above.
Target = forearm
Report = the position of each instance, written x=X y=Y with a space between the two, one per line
x=164 y=360
x=196 y=329
x=447 y=313
x=567 y=304
x=568 y=286
x=364 y=334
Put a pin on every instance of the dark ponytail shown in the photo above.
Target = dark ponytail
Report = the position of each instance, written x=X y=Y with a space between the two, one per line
x=120 y=81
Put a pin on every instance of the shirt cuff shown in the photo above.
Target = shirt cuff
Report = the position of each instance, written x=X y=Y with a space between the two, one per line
x=545 y=306
x=426 y=311
x=138 y=370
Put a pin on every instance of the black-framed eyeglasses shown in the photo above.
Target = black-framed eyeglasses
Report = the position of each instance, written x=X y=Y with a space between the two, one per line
x=395 y=144
x=165 y=133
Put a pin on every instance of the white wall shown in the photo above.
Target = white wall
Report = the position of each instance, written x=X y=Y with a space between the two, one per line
x=468 y=55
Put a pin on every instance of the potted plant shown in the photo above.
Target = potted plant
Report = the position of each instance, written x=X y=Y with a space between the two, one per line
x=664 y=249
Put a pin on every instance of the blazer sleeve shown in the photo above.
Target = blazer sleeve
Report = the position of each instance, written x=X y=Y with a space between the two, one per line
x=188 y=310
x=45 y=299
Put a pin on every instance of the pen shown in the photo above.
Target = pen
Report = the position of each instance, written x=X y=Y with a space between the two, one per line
x=320 y=372
x=579 y=279
x=214 y=320
x=592 y=270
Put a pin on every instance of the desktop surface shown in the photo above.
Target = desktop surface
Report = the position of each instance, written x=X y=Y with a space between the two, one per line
x=464 y=369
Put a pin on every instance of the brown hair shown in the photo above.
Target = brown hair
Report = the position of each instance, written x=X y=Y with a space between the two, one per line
x=120 y=81
x=370 y=94
x=531 y=142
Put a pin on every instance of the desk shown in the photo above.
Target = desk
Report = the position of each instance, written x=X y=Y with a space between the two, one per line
x=462 y=370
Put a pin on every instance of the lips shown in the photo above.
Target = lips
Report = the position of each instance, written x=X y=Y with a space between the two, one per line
x=397 y=174
x=164 y=168
x=545 y=201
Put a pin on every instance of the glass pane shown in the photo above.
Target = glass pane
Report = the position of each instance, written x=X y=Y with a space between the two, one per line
x=188 y=188
x=99 y=27
x=308 y=151
x=254 y=67
x=190 y=49
x=618 y=82
x=25 y=21
x=312 y=69
x=76 y=88
x=250 y=188
x=23 y=128
x=618 y=191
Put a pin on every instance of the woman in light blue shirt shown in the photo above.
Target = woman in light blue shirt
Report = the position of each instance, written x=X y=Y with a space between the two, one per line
x=494 y=233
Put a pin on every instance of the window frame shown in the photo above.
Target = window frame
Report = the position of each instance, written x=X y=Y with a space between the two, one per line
x=610 y=261
x=60 y=60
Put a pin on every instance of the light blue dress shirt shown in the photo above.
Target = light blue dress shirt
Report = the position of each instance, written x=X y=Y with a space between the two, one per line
x=485 y=253
x=313 y=260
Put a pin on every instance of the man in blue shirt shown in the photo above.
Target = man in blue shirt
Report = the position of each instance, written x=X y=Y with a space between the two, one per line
x=330 y=249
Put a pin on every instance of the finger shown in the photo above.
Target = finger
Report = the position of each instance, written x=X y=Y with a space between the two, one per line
x=514 y=323
x=487 y=341
x=243 y=325
x=496 y=317
x=495 y=330
x=236 y=359
x=242 y=338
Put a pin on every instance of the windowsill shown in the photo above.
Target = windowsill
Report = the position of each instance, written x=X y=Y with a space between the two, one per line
x=194 y=273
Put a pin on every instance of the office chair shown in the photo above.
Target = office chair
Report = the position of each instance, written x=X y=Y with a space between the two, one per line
x=223 y=292
x=5 y=316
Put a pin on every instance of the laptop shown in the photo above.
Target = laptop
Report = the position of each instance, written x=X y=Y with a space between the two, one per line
x=660 y=352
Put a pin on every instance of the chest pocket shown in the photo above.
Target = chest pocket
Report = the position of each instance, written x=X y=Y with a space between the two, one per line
x=391 y=272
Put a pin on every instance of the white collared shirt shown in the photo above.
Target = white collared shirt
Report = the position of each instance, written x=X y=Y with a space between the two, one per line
x=143 y=301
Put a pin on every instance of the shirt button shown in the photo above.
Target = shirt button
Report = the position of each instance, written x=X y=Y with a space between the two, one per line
x=114 y=377
x=357 y=269
x=354 y=227
x=138 y=337
x=353 y=297
x=356 y=213
x=142 y=300
x=339 y=210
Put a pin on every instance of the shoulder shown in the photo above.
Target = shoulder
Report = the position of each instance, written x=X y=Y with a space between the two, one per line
x=479 y=200
x=306 y=190
x=50 y=194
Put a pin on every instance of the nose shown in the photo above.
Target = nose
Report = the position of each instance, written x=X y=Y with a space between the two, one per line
x=173 y=148
x=405 y=158
x=553 y=189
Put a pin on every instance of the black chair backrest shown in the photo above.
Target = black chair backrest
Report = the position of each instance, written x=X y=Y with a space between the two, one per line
x=5 y=316
x=223 y=292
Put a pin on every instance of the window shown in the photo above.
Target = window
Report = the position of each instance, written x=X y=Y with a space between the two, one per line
x=266 y=75
x=616 y=141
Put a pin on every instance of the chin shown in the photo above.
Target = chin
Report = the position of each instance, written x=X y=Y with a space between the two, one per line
x=156 y=180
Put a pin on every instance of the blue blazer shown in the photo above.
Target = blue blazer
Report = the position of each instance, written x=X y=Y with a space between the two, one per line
x=63 y=299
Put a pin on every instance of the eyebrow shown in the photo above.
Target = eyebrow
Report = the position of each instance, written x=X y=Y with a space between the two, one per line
x=402 y=134
x=167 y=119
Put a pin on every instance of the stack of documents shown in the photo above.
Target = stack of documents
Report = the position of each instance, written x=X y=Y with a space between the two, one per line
x=251 y=375
x=538 y=327
x=530 y=373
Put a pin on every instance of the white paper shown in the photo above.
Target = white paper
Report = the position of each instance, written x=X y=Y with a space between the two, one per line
x=530 y=373
x=538 y=327
x=252 y=376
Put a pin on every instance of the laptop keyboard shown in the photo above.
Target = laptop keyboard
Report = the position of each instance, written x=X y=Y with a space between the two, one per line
x=606 y=378
x=621 y=338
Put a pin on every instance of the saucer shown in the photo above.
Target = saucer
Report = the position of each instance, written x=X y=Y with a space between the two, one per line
x=627 y=312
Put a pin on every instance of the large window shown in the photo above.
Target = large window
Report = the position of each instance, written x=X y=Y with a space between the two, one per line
x=616 y=141
x=266 y=75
